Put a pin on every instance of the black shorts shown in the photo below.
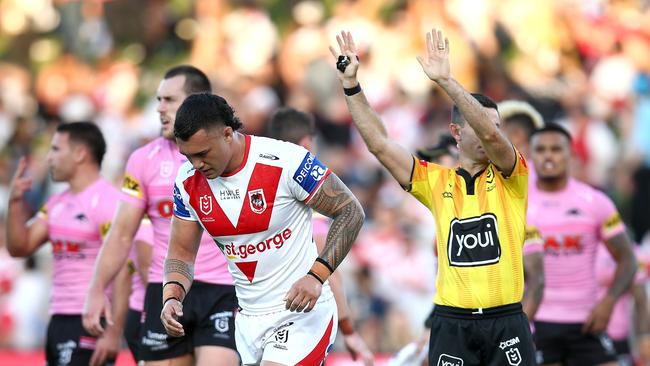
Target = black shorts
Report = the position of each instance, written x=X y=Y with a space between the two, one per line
x=132 y=332
x=208 y=319
x=68 y=343
x=493 y=337
x=623 y=352
x=565 y=343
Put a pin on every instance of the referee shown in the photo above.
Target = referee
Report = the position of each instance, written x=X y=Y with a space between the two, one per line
x=480 y=213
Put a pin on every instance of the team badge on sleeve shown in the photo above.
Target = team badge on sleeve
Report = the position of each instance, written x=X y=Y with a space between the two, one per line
x=131 y=186
x=310 y=173
x=179 y=207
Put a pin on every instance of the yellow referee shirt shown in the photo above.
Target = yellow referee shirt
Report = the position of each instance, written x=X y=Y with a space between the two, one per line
x=480 y=223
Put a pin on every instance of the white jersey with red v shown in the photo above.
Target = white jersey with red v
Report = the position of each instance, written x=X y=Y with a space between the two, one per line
x=258 y=217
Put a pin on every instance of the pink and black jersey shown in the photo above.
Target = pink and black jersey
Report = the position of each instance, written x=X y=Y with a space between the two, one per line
x=76 y=224
x=148 y=183
x=258 y=217
x=572 y=223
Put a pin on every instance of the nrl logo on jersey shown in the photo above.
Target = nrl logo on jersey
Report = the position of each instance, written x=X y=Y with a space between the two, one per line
x=257 y=200
x=206 y=204
x=166 y=169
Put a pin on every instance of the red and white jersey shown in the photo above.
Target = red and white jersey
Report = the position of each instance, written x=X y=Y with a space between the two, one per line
x=258 y=217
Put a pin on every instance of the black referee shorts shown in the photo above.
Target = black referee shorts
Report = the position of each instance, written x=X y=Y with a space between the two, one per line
x=498 y=336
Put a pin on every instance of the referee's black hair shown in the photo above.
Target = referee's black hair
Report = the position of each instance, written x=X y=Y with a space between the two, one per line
x=553 y=127
x=487 y=102
x=203 y=111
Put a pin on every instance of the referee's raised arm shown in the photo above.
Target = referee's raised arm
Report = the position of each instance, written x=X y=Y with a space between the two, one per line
x=394 y=157
x=436 y=65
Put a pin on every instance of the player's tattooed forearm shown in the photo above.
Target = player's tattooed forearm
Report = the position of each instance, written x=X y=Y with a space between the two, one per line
x=180 y=267
x=335 y=200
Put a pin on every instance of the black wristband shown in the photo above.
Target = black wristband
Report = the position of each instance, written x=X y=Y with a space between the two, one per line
x=176 y=283
x=171 y=298
x=316 y=277
x=352 y=91
x=324 y=262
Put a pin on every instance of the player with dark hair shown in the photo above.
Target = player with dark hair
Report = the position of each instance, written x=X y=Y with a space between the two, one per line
x=573 y=220
x=479 y=208
x=148 y=183
x=74 y=222
x=288 y=124
x=254 y=196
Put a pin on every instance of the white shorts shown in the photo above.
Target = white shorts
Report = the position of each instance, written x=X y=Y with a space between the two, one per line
x=286 y=337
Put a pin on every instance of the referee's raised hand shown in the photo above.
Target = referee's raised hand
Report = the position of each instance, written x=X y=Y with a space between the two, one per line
x=435 y=63
x=347 y=49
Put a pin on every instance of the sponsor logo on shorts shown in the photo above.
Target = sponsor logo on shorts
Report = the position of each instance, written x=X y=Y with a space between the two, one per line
x=155 y=341
x=222 y=323
x=474 y=241
x=281 y=336
x=447 y=360
x=513 y=356
x=65 y=349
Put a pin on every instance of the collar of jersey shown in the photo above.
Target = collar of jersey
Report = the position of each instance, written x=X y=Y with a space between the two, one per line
x=469 y=180
x=247 y=142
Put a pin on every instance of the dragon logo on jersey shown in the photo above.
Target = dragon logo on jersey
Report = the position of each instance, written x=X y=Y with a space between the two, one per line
x=206 y=204
x=257 y=200
x=166 y=168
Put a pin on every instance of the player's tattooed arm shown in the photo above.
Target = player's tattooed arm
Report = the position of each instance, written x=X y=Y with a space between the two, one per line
x=178 y=278
x=335 y=200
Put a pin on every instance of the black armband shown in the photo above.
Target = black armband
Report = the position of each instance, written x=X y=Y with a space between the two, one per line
x=352 y=91
x=176 y=283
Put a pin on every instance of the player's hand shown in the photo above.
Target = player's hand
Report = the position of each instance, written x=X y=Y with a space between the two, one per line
x=303 y=294
x=108 y=345
x=435 y=63
x=599 y=317
x=96 y=306
x=20 y=183
x=171 y=312
x=358 y=348
x=349 y=49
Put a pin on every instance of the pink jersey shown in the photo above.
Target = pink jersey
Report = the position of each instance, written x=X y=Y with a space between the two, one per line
x=144 y=236
x=76 y=224
x=258 y=217
x=573 y=223
x=148 y=183
x=619 y=323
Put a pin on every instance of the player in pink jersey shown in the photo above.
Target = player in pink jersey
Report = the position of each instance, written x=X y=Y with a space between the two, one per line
x=520 y=119
x=138 y=264
x=74 y=222
x=573 y=219
x=297 y=127
x=254 y=196
x=147 y=189
x=631 y=306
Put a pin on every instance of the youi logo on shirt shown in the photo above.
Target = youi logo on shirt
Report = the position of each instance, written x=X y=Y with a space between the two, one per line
x=474 y=241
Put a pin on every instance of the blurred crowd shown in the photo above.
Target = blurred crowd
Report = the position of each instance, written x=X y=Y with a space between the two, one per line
x=583 y=63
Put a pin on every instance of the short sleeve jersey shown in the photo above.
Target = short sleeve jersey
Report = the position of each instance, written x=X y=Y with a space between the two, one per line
x=148 y=183
x=480 y=226
x=258 y=217
x=76 y=224
x=572 y=223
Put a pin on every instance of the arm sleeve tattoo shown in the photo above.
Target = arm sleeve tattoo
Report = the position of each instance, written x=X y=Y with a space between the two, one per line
x=335 y=200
